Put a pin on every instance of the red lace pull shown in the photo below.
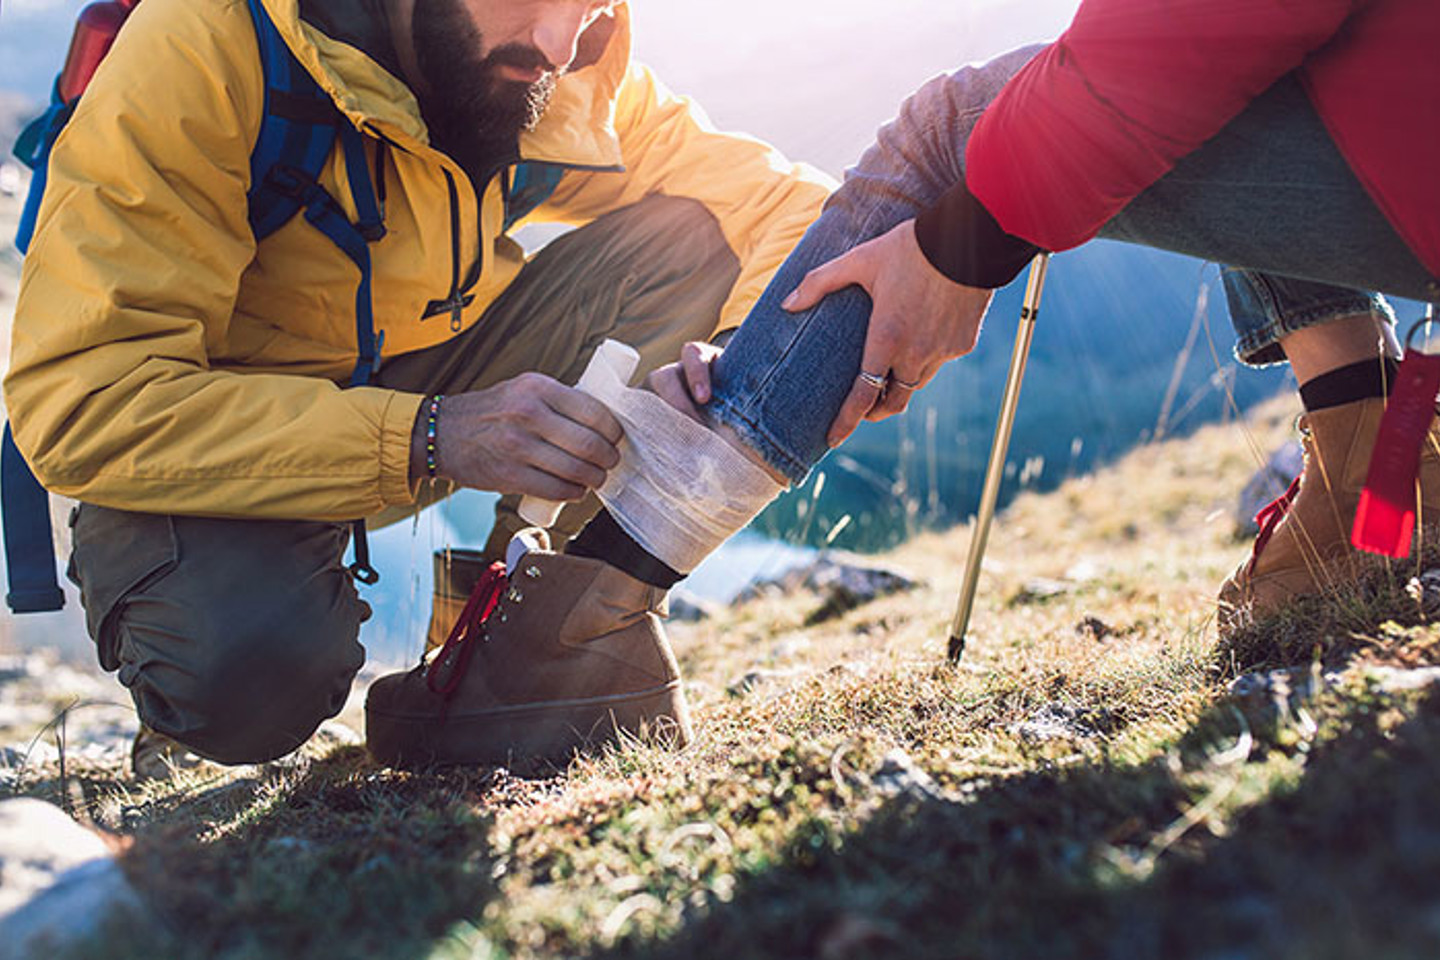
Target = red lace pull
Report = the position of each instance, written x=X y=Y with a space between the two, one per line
x=448 y=668
x=1385 y=519
x=1269 y=518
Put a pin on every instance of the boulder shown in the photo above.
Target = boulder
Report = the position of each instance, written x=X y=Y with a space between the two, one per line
x=58 y=881
x=842 y=586
x=1269 y=482
x=686 y=607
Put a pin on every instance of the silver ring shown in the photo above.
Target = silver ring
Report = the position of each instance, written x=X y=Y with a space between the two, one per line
x=871 y=380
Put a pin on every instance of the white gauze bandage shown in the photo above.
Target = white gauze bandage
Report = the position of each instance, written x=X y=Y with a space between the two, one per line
x=679 y=490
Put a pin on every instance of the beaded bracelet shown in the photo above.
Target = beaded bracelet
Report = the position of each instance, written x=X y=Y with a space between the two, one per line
x=432 y=421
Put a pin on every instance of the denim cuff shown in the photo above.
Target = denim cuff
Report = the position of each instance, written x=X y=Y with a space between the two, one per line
x=771 y=449
x=1266 y=307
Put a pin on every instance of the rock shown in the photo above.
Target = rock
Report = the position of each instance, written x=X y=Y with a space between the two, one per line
x=792 y=646
x=842 y=586
x=333 y=733
x=1056 y=721
x=1397 y=680
x=688 y=608
x=1269 y=482
x=1038 y=590
x=846 y=587
x=1095 y=629
x=42 y=698
x=898 y=776
x=1275 y=694
x=58 y=881
x=1425 y=591
x=751 y=679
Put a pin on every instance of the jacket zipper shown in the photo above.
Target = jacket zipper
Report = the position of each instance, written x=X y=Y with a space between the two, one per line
x=459 y=297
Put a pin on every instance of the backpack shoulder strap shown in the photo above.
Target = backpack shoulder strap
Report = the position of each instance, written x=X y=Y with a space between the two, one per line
x=29 y=543
x=297 y=132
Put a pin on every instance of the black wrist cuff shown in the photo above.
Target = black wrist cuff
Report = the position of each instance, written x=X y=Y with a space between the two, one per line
x=963 y=241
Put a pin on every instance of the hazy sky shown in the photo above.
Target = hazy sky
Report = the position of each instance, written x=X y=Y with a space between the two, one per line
x=814 y=76
x=817 y=76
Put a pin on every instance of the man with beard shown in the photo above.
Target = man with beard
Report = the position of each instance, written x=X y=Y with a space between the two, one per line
x=187 y=383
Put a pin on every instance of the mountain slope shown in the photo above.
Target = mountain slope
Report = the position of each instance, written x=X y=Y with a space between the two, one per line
x=1080 y=786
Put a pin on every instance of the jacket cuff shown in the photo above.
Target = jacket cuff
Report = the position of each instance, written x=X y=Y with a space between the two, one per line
x=963 y=241
x=396 y=427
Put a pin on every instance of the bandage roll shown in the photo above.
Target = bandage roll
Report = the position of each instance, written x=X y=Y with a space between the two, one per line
x=610 y=367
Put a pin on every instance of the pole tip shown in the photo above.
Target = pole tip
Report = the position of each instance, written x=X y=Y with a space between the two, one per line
x=957 y=649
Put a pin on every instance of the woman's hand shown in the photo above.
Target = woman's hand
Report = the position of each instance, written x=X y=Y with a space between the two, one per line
x=921 y=319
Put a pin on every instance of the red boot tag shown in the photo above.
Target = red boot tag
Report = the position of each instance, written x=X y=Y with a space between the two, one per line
x=1385 y=520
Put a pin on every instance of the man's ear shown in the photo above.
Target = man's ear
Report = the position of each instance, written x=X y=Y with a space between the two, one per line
x=593 y=42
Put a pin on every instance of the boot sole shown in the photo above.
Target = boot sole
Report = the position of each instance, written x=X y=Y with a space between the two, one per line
x=553 y=730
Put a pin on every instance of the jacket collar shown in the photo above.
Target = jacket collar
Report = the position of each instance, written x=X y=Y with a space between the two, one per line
x=578 y=128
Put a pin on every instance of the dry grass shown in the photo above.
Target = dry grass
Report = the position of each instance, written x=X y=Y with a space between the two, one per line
x=851 y=795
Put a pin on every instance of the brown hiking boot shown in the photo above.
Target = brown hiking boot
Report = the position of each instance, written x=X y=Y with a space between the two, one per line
x=1304 y=543
x=154 y=756
x=562 y=653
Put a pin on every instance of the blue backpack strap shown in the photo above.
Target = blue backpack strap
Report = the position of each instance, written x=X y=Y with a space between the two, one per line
x=297 y=136
x=297 y=133
x=33 y=149
x=29 y=542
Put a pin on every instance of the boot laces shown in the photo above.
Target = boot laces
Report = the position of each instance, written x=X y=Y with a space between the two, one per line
x=445 y=672
x=1269 y=518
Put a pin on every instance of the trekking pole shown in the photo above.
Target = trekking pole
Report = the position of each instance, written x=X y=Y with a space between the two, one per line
x=995 y=473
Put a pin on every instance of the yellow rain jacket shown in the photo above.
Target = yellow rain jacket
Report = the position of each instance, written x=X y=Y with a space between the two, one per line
x=162 y=363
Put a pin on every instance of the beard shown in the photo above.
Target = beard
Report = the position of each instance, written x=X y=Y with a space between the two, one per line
x=473 y=113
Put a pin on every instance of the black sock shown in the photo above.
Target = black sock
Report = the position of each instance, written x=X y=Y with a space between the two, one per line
x=1358 y=381
x=602 y=539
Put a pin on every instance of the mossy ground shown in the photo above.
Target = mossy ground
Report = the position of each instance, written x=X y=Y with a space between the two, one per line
x=857 y=796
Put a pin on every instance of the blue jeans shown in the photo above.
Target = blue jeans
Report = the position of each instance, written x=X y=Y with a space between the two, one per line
x=1270 y=194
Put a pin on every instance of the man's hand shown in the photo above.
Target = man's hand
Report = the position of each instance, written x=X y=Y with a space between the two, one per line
x=530 y=435
x=921 y=320
x=685 y=385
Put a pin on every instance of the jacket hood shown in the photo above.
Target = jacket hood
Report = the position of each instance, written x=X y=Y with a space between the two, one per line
x=578 y=128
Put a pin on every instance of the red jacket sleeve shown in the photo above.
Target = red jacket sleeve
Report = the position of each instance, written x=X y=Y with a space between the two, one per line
x=1130 y=88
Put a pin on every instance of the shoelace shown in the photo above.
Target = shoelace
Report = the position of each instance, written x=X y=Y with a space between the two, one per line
x=1269 y=518
x=448 y=668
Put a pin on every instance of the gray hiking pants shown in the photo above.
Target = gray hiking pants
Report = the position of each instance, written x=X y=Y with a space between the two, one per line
x=238 y=638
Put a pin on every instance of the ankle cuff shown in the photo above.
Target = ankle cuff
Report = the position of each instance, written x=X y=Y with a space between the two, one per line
x=605 y=540
x=1357 y=381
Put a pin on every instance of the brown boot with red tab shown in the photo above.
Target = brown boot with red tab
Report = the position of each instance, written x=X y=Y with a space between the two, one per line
x=554 y=655
x=1303 y=548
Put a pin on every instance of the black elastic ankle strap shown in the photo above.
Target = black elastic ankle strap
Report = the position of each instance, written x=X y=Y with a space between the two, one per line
x=1357 y=381
x=604 y=540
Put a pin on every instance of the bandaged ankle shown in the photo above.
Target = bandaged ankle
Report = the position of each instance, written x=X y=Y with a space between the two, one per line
x=680 y=490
